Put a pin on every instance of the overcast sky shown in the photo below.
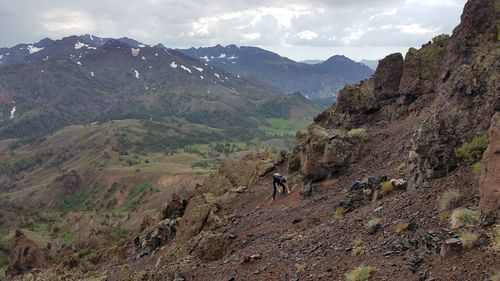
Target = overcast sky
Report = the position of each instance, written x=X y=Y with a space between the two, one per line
x=299 y=29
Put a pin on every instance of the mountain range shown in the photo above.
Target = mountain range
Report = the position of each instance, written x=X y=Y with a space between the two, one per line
x=319 y=82
x=82 y=79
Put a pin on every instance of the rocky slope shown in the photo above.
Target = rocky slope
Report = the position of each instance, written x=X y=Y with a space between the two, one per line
x=400 y=175
x=319 y=82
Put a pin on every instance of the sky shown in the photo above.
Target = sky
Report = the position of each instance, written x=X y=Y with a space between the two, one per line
x=298 y=29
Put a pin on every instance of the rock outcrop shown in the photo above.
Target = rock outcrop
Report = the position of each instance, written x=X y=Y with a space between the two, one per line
x=25 y=256
x=325 y=152
x=388 y=76
x=490 y=178
x=451 y=85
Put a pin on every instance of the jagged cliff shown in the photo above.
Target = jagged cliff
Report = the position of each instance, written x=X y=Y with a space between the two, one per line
x=447 y=91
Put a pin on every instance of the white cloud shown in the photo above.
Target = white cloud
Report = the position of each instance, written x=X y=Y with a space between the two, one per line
x=272 y=24
x=307 y=35
x=252 y=36
x=416 y=28
x=66 y=21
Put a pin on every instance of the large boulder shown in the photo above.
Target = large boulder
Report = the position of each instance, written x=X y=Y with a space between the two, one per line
x=357 y=98
x=490 y=178
x=25 y=256
x=325 y=152
x=388 y=76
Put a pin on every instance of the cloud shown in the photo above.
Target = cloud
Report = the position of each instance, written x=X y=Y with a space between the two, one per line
x=66 y=21
x=416 y=28
x=307 y=35
x=272 y=24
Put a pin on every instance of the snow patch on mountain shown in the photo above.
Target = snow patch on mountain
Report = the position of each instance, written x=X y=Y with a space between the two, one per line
x=79 y=45
x=143 y=58
x=135 y=52
x=217 y=75
x=92 y=73
x=13 y=110
x=141 y=46
x=173 y=65
x=79 y=63
x=233 y=57
x=205 y=58
x=136 y=74
x=222 y=56
x=186 y=68
x=198 y=68
x=32 y=49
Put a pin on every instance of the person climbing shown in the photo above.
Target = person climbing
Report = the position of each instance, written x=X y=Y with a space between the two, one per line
x=281 y=180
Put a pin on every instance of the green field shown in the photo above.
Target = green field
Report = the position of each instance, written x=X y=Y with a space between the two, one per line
x=177 y=163
x=287 y=127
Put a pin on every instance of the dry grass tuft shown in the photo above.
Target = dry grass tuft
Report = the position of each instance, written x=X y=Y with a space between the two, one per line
x=360 y=273
x=468 y=239
x=463 y=217
x=301 y=267
x=386 y=187
x=358 y=248
x=400 y=227
x=357 y=133
x=449 y=200
x=339 y=212
x=495 y=239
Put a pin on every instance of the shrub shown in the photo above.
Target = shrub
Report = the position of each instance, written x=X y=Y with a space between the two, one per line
x=478 y=167
x=463 y=217
x=358 y=248
x=386 y=187
x=360 y=273
x=339 y=212
x=449 y=200
x=495 y=239
x=400 y=227
x=468 y=239
x=357 y=133
x=472 y=151
x=441 y=39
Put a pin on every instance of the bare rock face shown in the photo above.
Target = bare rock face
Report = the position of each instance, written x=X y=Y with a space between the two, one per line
x=388 y=76
x=326 y=152
x=466 y=94
x=490 y=177
x=25 y=256
x=421 y=69
x=358 y=98
x=175 y=208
